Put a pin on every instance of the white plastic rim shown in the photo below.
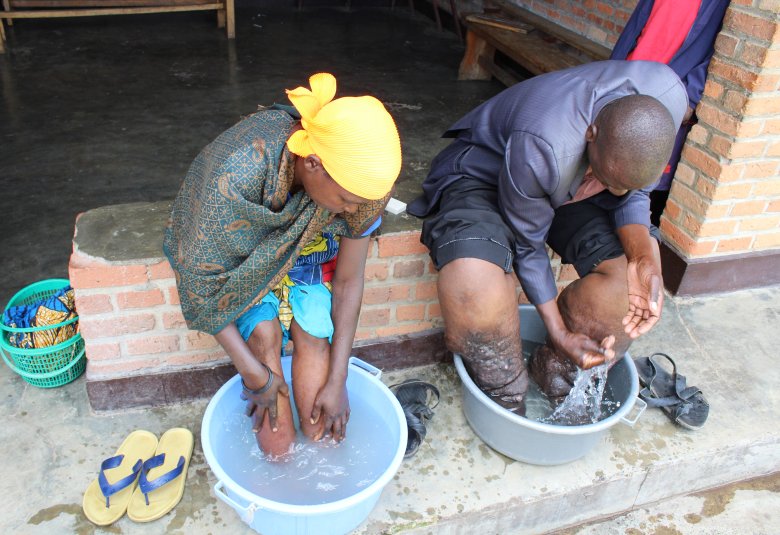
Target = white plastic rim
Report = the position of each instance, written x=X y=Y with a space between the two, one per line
x=551 y=428
x=307 y=510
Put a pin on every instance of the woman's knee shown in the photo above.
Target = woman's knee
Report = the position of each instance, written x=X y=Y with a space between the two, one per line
x=266 y=339
x=307 y=343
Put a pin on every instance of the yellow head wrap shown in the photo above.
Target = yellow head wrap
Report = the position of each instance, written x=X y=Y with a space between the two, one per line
x=354 y=137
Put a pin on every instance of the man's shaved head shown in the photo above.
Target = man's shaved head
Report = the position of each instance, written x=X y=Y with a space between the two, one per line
x=630 y=142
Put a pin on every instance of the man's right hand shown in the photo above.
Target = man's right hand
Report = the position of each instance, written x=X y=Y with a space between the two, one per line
x=579 y=348
x=582 y=350
x=259 y=404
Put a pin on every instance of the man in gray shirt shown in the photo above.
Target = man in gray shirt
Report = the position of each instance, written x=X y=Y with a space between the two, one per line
x=565 y=158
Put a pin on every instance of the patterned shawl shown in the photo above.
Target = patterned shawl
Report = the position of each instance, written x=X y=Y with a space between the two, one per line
x=233 y=232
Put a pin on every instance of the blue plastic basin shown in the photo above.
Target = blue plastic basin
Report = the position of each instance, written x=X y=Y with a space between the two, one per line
x=272 y=517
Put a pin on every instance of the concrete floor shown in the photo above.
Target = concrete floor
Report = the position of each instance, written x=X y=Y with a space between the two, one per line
x=105 y=111
x=653 y=478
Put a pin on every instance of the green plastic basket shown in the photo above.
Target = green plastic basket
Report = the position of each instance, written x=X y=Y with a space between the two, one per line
x=45 y=367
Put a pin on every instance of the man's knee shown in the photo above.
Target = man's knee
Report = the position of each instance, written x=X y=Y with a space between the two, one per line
x=596 y=304
x=477 y=296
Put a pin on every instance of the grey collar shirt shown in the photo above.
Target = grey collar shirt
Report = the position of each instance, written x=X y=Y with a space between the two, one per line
x=529 y=141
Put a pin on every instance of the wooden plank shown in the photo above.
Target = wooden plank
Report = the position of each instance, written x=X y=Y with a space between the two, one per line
x=501 y=74
x=19 y=4
x=108 y=11
x=476 y=48
x=2 y=37
x=593 y=49
x=230 y=22
x=531 y=51
x=7 y=7
x=498 y=22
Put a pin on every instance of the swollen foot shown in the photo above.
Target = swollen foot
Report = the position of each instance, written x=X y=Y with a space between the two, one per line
x=491 y=378
x=553 y=373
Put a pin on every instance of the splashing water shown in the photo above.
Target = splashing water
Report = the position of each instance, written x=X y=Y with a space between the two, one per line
x=586 y=402
x=589 y=401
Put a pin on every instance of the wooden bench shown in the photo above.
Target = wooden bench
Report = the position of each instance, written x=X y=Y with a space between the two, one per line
x=32 y=9
x=533 y=42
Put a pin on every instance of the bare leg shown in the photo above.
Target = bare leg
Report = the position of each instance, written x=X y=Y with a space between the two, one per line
x=265 y=342
x=482 y=324
x=311 y=364
x=593 y=305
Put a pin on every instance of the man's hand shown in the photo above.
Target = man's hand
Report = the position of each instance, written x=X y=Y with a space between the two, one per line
x=645 y=297
x=577 y=347
x=332 y=407
x=259 y=404
x=582 y=350
x=643 y=275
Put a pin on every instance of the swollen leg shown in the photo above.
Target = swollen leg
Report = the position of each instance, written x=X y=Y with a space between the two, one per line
x=311 y=364
x=482 y=324
x=593 y=305
x=265 y=342
x=596 y=304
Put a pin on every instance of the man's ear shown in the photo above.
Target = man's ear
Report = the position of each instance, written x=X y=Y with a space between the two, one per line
x=591 y=133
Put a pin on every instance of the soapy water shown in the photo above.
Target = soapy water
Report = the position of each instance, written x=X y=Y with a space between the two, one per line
x=589 y=401
x=310 y=473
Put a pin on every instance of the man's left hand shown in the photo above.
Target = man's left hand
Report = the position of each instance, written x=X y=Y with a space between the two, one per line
x=645 y=296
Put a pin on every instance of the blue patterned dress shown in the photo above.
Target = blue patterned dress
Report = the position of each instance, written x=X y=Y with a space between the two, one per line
x=236 y=230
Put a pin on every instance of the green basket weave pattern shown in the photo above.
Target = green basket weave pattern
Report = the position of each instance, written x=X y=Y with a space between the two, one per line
x=44 y=367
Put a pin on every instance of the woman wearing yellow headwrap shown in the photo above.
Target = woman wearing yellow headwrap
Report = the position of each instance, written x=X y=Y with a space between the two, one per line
x=253 y=237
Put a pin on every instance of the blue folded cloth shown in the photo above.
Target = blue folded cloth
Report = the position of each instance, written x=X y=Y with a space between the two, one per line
x=56 y=308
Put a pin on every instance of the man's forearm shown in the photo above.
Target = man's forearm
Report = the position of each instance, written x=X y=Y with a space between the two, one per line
x=551 y=316
x=637 y=242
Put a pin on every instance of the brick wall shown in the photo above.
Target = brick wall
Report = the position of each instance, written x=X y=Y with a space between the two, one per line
x=599 y=20
x=726 y=195
x=132 y=323
x=725 y=199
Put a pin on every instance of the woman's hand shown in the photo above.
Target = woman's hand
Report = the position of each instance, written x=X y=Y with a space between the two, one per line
x=332 y=407
x=259 y=404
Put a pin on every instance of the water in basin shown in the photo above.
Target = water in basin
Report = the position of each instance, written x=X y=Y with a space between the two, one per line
x=312 y=472
x=589 y=401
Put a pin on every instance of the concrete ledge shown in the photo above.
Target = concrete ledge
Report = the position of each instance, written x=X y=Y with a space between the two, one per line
x=156 y=389
x=702 y=276
x=139 y=349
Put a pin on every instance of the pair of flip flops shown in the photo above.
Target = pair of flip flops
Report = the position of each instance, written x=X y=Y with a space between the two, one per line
x=145 y=478
x=684 y=405
x=417 y=399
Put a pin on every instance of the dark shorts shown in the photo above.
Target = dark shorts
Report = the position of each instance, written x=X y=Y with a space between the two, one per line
x=468 y=224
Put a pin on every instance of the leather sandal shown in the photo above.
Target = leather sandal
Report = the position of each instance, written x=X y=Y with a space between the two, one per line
x=418 y=399
x=684 y=405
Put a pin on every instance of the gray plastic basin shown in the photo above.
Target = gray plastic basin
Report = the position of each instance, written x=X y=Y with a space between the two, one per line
x=535 y=442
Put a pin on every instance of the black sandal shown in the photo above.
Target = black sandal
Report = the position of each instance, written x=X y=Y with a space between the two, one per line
x=418 y=399
x=684 y=405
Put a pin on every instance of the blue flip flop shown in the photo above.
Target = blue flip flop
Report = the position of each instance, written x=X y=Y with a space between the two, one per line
x=161 y=484
x=107 y=497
